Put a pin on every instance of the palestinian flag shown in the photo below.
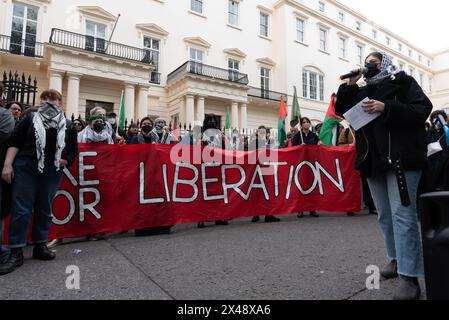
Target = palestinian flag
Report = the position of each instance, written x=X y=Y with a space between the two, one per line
x=329 y=130
x=121 y=124
x=282 y=134
x=296 y=113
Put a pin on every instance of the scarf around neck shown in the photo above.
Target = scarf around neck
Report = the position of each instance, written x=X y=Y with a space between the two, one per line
x=49 y=116
x=387 y=69
x=90 y=136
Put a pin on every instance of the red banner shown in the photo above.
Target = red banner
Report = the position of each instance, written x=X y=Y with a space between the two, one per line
x=116 y=188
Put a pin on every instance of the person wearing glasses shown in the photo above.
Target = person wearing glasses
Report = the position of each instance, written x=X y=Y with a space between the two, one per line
x=306 y=137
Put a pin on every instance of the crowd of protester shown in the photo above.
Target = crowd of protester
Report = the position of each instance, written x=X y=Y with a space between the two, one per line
x=38 y=142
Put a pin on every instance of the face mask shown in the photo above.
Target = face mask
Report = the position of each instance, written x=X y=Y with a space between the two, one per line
x=98 y=127
x=147 y=129
x=112 y=121
x=372 y=70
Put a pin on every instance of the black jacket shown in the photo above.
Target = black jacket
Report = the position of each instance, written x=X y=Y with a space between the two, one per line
x=311 y=139
x=399 y=134
x=24 y=139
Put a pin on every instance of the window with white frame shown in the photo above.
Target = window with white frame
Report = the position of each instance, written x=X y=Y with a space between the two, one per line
x=388 y=41
x=360 y=54
x=430 y=84
x=233 y=12
x=343 y=44
x=428 y=63
x=196 y=6
x=95 y=36
x=420 y=58
x=196 y=55
x=400 y=47
x=401 y=66
x=300 y=30
x=265 y=80
x=196 y=58
x=323 y=39
x=24 y=29
x=421 y=80
x=358 y=26
x=234 y=69
x=411 y=71
x=410 y=53
x=313 y=85
x=321 y=6
x=152 y=48
x=263 y=24
x=374 y=34
x=341 y=17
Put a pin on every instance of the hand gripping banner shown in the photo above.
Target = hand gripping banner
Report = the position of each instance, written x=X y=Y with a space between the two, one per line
x=116 y=188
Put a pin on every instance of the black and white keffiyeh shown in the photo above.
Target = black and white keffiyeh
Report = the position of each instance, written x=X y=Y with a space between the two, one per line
x=387 y=69
x=49 y=116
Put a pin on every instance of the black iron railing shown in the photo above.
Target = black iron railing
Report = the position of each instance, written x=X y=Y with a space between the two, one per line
x=101 y=46
x=20 y=88
x=212 y=72
x=266 y=94
x=21 y=47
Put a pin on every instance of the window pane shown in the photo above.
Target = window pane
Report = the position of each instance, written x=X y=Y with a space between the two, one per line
x=101 y=31
x=19 y=10
x=155 y=44
x=321 y=80
x=32 y=13
x=305 y=84
x=90 y=28
x=313 y=85
x=17 y=25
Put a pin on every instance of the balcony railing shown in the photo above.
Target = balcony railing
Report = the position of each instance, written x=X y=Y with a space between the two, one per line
x=100 y=46
x=266 y=94
x=21 y=47
x=212 y=72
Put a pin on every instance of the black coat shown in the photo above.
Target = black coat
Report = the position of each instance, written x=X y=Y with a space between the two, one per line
x=399 y=133
x=311 y=139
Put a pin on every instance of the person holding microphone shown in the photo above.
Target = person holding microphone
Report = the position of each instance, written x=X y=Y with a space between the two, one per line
x=391 y=152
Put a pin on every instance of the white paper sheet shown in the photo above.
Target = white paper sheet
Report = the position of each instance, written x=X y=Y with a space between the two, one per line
x=358 y=118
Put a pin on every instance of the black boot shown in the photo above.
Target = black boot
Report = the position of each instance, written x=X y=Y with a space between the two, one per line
x=314 y=214
x=14 y=261
x=390 y=271
x=41 y=252
x=350 y=214
x=270 y=219
x=255 y=219
x=201 y=225
x=301 y=215
x=221 y=223
x=408 y=289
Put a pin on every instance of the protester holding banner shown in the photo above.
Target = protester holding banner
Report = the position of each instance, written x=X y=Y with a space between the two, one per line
x=97 y=131
x=391 y=152
x=6 y=128
x=261 y=140
x=161 y=133
x=39 y=148
x=306 y=137
x=133 y=131
x=214 y=138
x=145 y=135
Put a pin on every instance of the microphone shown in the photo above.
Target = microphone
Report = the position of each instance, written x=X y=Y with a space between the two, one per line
x=355 y=73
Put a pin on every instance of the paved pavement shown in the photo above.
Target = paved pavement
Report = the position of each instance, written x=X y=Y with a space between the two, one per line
x=323 y=258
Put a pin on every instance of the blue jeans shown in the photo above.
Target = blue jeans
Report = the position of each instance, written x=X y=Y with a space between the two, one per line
x=4 y=253
x=399 y=224
x=32 y=191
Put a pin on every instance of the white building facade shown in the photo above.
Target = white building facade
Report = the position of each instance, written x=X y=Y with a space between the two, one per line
x=190 y=59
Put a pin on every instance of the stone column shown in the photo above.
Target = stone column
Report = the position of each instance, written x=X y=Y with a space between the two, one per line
x=190 y=110
x=130 y=96
x=234 y=115
x=73 y=95
x=200 y=109
x=143 y=102
x=243 y=116
x=56 y=80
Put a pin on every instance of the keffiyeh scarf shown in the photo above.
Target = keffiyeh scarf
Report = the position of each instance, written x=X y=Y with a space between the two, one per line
x=49 y=116
x=387 y=69
x=90 y=136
